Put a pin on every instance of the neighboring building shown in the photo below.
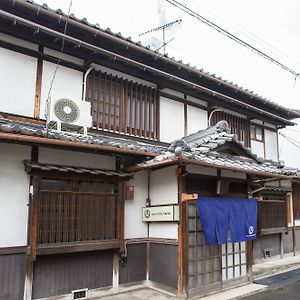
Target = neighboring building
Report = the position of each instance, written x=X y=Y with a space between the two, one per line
x=126 y=128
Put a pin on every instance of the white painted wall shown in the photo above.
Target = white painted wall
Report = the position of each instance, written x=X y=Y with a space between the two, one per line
x=171 y=120
x=67 y=84
x=271 y=145
x=134 y=227
x=163 y=230
x=17 y=77
x=163 y=190
x=64 y=56
x=163 y=186
x=15 y=41
x=257 y=148
x=76 y=159
x=201 y=170
x=196 y=119
x=289 y=147
x=14 y=195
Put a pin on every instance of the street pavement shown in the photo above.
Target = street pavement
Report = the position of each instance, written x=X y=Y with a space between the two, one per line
x=285 y=286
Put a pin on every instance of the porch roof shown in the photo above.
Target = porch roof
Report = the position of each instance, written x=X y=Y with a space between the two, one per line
x=38 y=134
x=32 y=166
x=206 y=148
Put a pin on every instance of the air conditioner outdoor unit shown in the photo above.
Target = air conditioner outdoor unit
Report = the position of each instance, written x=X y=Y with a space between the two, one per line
x=67 y=113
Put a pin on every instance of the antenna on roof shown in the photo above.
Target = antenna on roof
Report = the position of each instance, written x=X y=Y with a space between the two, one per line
x=163 y=28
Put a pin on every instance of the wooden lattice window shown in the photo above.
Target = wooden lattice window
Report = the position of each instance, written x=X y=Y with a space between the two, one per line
x=120 y=105
x=272 y=211
x=73 y=211
x=238 y=125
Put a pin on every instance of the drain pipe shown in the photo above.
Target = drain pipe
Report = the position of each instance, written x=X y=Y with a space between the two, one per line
x=210 y=115
x=88 y=71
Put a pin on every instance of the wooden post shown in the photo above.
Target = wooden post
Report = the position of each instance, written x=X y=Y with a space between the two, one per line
x=182 y=241
x=116 y=268
x=38 y=84
x=31 y=238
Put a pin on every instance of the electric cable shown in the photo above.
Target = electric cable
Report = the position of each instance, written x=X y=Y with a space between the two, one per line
x=225 y=32
x=57 y=65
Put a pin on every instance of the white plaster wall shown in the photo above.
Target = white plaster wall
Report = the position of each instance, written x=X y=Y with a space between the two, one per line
x=163 y=190
x=17 y=77
x=64 y=56
x=289 y=148
x=14 y=195
x=163 y=186
x=232 y=174
x=257 y=148
x=271 y=144
x=196 y=119
x=15 y=41
x=171 y=120
x=76 y=159
x=196 y=100
x=201 y=170
x=163 y=230
x=134 y=226
x=67 y=84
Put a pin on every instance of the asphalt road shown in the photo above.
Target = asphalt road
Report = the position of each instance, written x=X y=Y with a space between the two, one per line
x=285 y=286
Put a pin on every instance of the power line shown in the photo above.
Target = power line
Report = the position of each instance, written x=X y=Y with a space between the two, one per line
x=243 y=30
x=57 y=65
x=290 y=140
x=225 y=32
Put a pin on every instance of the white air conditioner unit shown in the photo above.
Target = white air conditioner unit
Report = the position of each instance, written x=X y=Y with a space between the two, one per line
x=70 y=113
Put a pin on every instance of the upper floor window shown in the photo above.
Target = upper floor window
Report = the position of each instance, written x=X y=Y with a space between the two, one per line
x=120 y=105
x=238 y=125
x=256 y=133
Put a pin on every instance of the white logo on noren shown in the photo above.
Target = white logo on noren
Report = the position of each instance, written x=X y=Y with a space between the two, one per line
x=251 y=230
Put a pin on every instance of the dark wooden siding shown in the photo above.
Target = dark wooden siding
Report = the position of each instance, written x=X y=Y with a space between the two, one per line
x=135 y=267
x=239 y=126
x=60 y=274
x=164 y=264
x=264 y=242
x=12 y=276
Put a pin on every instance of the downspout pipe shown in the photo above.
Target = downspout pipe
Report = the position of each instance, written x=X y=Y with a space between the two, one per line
x=211 y=114
x=88 y=71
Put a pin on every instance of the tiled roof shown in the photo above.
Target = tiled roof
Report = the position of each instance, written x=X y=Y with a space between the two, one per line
x=30 y=166
x=30 y=129
x=171 y=59
x=200 y=148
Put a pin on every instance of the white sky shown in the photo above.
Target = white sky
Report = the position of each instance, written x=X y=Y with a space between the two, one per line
x=273 y=26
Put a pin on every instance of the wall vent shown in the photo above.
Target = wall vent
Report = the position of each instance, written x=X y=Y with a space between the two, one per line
x=79 y=294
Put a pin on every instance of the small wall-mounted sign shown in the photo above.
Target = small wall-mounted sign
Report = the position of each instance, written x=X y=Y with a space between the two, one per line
x=167 y=213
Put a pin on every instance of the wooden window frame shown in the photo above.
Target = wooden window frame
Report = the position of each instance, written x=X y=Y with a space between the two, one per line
x=255 y=127
x=123 y=106
x=76 y=246
x=270 y=209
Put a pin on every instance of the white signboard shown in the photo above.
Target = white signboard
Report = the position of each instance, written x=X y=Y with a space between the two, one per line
x=166 y=213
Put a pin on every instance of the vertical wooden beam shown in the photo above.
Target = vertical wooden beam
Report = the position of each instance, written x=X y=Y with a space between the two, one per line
x=38 y=84
x=295 y=199
x=157 y=115
x=116 y=267
x=182 y=283
x=120 y=216
x=30 y=237
x=185 y=119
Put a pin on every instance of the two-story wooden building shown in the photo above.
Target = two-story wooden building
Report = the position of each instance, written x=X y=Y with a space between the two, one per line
x=97 y=133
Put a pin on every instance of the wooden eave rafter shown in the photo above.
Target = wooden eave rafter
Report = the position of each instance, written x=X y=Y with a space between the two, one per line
x=92 y=48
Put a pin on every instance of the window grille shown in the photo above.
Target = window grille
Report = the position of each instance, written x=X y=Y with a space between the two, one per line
x=120 y=105
x=76 y=210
